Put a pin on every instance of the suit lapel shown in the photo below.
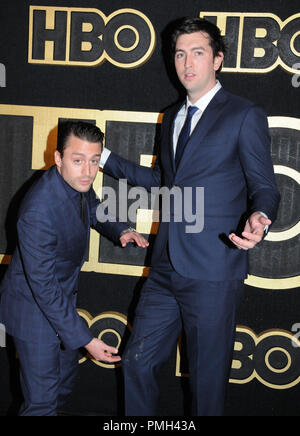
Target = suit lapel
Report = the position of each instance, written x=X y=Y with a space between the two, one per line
x=173 y=116
x=210 y=117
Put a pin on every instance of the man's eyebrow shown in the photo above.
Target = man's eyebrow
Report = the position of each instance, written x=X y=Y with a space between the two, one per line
x=82 y=154
x=194 y=48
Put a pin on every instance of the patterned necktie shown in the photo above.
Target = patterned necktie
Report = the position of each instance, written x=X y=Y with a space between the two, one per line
x=184 y=134
x=83 y=209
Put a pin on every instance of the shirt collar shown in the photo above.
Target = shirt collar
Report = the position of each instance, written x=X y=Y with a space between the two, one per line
x=204 y=101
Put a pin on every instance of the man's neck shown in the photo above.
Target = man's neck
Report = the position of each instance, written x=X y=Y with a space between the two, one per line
x=203 y=101
x=193 y=97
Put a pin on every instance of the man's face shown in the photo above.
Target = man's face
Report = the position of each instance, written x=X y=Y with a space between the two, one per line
x=80 y=163
x=195 y=64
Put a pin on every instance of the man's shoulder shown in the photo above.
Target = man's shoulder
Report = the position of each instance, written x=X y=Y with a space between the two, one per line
x=222 y=96
x=240 y=108
x=44 y=193
x=170 y=111
x=239 y=101
x=174 y=107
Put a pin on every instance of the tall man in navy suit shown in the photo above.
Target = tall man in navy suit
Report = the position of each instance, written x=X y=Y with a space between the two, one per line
x=220 y=142
x=38 y=293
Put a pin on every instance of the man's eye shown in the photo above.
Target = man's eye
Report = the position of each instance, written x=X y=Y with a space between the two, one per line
x=77 y=162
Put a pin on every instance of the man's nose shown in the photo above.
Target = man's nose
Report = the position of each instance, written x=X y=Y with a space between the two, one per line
x=188 y=60
x=86 y=170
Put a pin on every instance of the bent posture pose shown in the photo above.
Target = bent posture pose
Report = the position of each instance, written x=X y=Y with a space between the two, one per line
x=38 y=293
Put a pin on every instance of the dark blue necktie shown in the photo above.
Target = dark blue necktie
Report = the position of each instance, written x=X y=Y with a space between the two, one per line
x=83 y=209
x=184 y=134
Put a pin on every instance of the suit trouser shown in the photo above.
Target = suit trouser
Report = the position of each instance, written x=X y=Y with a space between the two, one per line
x=207 y=311
x=47 y=375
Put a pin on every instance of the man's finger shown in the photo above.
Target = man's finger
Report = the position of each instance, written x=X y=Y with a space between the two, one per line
x=140 y=241
x=134 y=237
x=265 y=221
x=243 y=244
x=111 y=350
x=112 y=359
x=253 y=237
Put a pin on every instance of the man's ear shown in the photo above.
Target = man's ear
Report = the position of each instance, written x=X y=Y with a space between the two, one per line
x=218 y=60
x=57 y=158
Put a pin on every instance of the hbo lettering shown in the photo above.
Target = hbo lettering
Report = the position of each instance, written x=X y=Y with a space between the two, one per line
x=273 y=358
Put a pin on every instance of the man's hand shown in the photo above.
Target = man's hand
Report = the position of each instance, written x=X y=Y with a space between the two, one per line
x=130 y=237
x=253 y=232
x=102 y=352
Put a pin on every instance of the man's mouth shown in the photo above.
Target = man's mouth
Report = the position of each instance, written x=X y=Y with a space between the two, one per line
x=189 y=76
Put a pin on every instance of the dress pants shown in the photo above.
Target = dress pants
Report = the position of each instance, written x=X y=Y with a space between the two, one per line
x=207 y=312
x=47 y=375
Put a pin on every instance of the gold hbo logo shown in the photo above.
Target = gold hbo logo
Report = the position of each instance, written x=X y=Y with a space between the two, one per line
x=86 y=37
x=258 y=42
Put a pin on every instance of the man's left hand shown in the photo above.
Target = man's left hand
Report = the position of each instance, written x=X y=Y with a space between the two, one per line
x=253 y=232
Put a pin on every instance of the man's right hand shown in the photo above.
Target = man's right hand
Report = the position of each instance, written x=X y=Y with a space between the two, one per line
x=102 y=352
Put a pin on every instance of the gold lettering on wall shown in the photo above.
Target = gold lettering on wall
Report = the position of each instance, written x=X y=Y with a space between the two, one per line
x=271 y=357
x=258 y=42
x=86 y=37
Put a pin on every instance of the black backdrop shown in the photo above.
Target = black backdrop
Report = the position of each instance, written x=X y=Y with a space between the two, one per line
x=125 y=102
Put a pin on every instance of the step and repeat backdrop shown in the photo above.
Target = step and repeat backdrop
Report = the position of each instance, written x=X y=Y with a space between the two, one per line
x=108 y=62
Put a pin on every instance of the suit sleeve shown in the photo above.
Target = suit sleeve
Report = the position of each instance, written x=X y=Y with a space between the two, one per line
x=255 y=156
x=37 y=243
x=110 y=228
x=136 y=175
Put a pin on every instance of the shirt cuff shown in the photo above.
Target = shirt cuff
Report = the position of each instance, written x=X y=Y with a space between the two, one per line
x=104 y=156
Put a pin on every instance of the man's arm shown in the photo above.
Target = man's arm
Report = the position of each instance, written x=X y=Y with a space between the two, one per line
x=255 y=156
x=120 y=233
x=37 y=243
x=137 y=175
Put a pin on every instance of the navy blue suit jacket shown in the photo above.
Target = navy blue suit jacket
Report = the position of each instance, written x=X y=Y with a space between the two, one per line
x=228 y=154
x=38 y=292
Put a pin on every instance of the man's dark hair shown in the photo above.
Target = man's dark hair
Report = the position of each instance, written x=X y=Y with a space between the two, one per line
x=83 y=130
x=192 y=25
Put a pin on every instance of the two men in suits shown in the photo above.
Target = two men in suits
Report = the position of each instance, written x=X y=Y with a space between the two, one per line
x=220 y=142
x=38 y=292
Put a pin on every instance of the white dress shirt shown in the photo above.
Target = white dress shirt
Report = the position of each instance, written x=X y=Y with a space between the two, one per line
x=201 y=104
